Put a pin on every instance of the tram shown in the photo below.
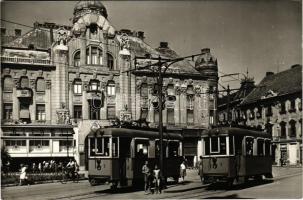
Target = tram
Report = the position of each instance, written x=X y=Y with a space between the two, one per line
x=234 y=155
x=116 y=155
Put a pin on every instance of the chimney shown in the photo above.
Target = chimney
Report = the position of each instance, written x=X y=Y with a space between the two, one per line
x=164 y=45
x=141 y=35
x=205 y=50
x=269 y=74
x=18 y=32
x=3 y=31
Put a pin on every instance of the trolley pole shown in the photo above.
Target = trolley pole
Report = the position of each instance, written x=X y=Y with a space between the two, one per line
x=160 y=83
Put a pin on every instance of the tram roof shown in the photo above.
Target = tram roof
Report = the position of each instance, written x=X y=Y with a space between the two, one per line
x=235 y=131
x=135 y=133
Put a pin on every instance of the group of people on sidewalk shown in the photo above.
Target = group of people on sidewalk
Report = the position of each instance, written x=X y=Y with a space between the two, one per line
x=152 y=177
x=69 y=168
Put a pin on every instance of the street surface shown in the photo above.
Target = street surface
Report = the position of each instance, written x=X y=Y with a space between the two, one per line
x=287 y=183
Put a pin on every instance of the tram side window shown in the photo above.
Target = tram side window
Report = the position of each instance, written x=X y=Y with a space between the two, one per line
x=114 y=147
x=142 y=149
x=206 y=146
x=223 y=145
x=249 y=146
x=173 y=149
x=260 y=149
x=231 y=145
x=267 y=147
x=214 y=145
x=99 y=146
x=157 y=149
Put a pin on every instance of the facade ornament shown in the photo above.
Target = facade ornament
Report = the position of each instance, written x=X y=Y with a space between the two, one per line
x=32 y=83
x=48 y=84
x=103 y=85
x=6 y=71
x=197 y=90
x=144 y=79
x=16 y=82
x=40 y=73
x=77 y=74
x=23 y=72
x=94 y=75
x=111 y=77
x=85 y=85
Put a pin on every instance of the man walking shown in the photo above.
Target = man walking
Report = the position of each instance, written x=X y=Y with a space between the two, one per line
x=146 y=174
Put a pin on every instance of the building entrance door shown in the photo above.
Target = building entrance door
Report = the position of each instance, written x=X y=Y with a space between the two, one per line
x=292 y=154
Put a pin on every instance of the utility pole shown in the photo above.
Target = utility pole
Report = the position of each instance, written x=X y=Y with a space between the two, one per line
x=228 y=102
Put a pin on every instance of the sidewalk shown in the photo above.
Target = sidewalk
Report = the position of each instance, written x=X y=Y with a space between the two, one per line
x=278 y=171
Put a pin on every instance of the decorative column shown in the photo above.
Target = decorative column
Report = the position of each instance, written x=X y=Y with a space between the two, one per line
x=105 y=49
x=177 y=105
x=16 y=106
x=85 y=106
x=70 y=99
x=82 y=40
x=32 y=107
x=48 y=101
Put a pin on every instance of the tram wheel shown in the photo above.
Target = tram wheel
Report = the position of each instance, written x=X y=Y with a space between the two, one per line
x=93 y=182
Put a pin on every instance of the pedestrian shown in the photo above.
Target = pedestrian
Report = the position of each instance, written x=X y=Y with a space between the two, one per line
x=182 y=170
x=23 y=176
x=200 y=168
x=157 y=179
x=146 y=174
x=40 y=167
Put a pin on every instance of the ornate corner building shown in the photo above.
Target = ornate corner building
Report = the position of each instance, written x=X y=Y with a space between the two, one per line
x=59 y=82
x=275 y=106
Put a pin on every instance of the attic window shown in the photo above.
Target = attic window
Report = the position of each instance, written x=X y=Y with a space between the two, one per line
x=93 y=29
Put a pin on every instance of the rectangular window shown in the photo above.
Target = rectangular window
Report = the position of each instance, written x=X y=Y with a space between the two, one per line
x=249 y=143
x=14 y=143
x=78 y=88
x=7 y=111
x=170 y=116
x=173 y=149
x=115 y=147
x=40 y=112
x=39 y=143
x=111 y=112
x=260 y=145
x=78 y=111
x=206 y=146
x=94 y=86
x=111 y=90
x=211 y=117
x=141 y=151
x=64 y=143
x=99 y=146
x=267 y=147
x=231 y=145
x=214 y=145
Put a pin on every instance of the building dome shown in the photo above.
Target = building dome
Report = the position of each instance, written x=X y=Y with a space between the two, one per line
x=91 y=6
x=206 y=64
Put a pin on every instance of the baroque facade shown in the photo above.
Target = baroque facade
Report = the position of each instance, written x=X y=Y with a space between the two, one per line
x=275 y=106
x=59 y=82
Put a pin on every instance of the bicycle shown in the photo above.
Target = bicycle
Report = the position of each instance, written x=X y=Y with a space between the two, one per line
x=69 y=174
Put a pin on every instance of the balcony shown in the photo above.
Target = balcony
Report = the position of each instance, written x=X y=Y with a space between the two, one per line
x=31 y=61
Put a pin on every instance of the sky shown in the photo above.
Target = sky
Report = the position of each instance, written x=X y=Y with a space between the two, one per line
x=253 y=35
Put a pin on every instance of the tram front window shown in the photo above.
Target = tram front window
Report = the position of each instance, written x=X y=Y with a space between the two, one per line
x=173 y=149
x=142 y=149
x=215 y=145
x=99 y=146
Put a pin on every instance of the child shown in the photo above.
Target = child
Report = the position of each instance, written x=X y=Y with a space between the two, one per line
x=156 y=173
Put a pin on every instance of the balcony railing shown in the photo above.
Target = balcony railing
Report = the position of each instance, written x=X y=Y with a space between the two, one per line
x=6 y=59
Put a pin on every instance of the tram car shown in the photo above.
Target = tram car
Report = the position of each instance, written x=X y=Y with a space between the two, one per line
x=234 y=155
x=117 y=155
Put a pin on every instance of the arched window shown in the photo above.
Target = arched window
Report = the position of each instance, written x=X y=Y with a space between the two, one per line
x=77 y=59
x=93 y=56
x=292 y=128
x=283 y=129
x=110 y=61
x=77 y=86
x=24 y=82
x=111 y=88
x=190 y=109
x=40 y=85
x=8 y=84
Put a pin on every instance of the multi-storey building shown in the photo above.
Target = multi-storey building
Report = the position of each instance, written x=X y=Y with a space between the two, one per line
x=60 y=81
x=275 y=106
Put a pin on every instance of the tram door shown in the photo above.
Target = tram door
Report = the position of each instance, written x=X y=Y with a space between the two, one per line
x=124 y=160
